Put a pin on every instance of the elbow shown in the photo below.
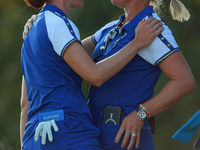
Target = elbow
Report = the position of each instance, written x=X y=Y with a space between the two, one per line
x=97 y=84
x=191 y=85
x=96 y=80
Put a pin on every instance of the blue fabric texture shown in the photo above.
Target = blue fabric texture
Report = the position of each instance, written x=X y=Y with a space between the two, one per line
x=188 y=130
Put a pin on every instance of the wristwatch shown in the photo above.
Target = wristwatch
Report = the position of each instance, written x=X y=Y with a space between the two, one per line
x=142 y=115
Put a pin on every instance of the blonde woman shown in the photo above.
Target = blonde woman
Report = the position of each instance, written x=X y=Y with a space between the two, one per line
x=122 y=105
x=132 y=89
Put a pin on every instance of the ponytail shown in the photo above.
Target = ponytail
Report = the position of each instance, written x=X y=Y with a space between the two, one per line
x=179 y=11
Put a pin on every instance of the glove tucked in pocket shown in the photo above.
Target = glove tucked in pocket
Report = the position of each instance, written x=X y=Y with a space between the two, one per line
x=48 y=120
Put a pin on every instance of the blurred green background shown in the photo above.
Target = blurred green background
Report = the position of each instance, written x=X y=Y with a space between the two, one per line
x=93 y=15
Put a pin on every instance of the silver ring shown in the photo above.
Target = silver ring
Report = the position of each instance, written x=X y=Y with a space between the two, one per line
x=133 y=134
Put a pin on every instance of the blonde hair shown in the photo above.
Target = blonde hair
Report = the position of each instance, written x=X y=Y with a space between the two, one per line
x=178 y=10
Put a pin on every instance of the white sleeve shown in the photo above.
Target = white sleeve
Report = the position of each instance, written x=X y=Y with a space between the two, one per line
x=163 y=46
x=60 y=33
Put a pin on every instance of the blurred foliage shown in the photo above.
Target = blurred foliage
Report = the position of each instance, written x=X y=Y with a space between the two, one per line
x=88 y=19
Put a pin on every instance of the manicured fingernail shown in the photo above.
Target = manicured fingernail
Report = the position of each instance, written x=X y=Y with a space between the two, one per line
x=122 y=147
x=116 y=141
x=129 y=148
x=136 y=146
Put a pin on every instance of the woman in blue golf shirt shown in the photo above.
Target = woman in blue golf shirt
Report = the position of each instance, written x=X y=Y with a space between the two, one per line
x=132 y=89
x=52 y=59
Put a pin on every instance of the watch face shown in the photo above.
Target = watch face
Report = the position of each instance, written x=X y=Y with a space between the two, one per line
x=142 y=114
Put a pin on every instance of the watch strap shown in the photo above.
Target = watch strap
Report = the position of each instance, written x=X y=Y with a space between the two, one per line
x=137 y=109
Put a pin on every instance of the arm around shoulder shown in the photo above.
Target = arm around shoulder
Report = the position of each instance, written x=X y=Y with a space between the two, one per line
x=98 y=73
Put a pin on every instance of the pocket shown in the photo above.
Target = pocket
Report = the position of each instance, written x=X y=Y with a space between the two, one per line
x=108 y=133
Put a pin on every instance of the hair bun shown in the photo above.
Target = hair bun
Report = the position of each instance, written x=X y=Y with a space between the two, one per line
x=35 y=3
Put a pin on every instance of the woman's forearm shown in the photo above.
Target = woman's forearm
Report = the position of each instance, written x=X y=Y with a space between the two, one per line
x=172 y=92
x=98 y=73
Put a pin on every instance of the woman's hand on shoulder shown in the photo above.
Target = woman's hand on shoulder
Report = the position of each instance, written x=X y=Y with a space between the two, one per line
x=29 y=25
x=148 y=30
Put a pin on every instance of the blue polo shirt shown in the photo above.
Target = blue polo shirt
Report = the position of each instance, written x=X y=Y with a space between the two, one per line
x=51 y=83
x=135 y=83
